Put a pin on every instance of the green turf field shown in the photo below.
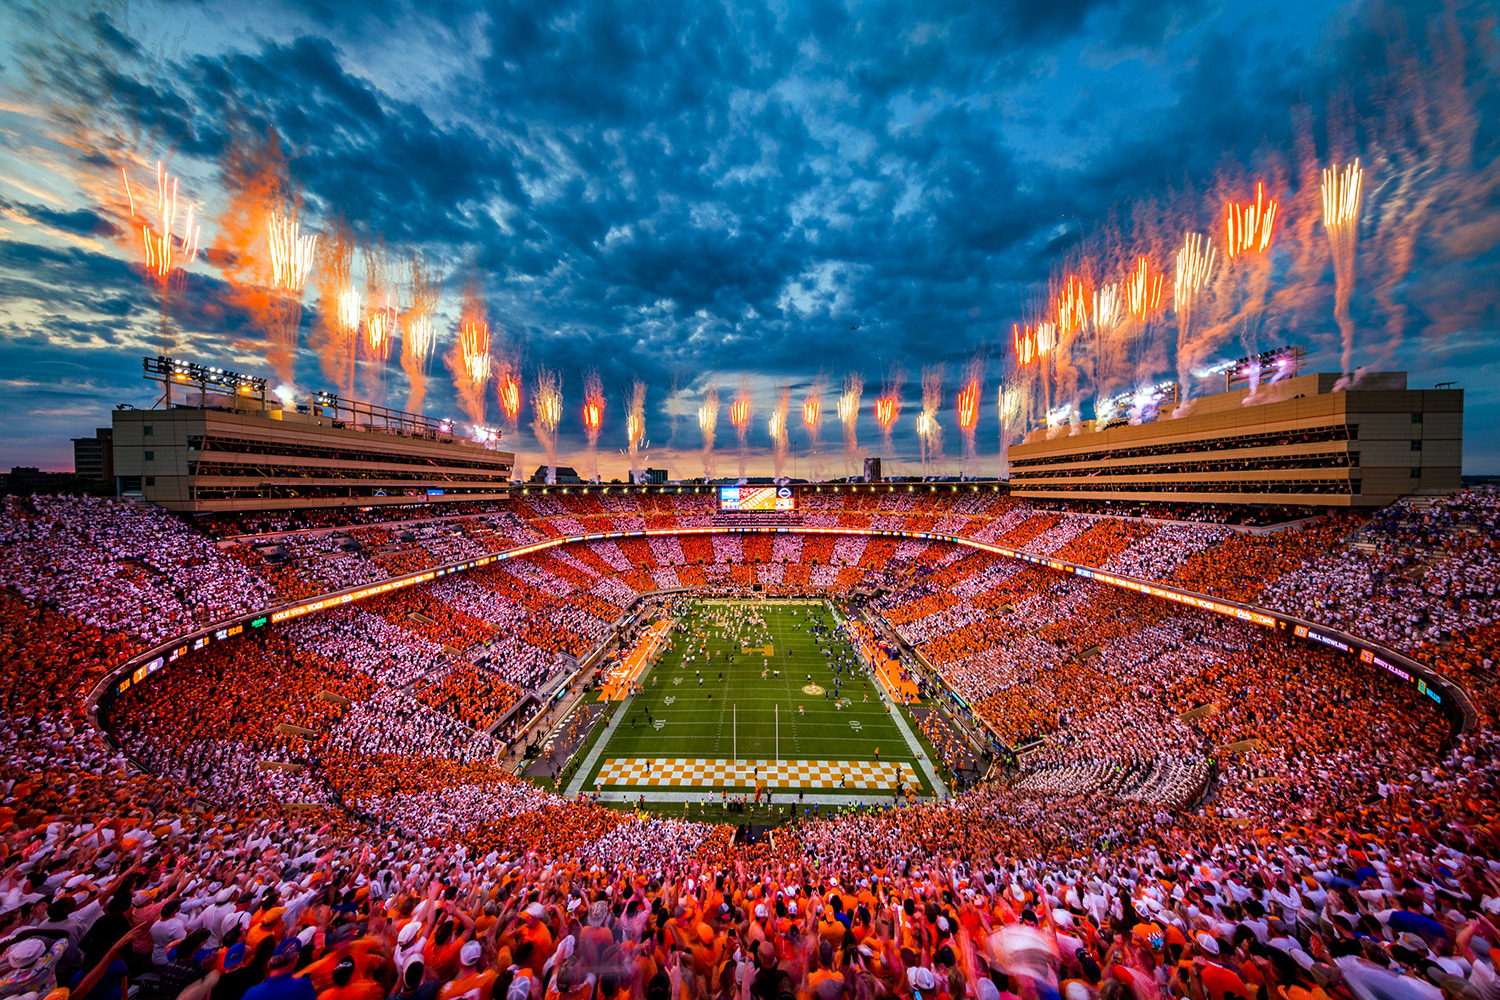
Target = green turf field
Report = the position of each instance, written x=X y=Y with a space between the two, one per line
x=675 y=717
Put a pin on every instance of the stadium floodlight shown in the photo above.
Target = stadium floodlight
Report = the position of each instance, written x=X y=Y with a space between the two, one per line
x=170 y=371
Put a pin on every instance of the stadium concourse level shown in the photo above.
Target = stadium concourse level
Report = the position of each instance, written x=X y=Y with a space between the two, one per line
x=323 y=816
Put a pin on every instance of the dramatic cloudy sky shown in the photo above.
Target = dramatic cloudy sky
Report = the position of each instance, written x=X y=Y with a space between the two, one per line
x=768 y=191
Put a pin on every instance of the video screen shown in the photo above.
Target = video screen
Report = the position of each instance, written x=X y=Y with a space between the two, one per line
x=756 y=498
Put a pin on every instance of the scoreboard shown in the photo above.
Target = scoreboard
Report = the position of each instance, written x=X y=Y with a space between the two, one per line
x=756 y=498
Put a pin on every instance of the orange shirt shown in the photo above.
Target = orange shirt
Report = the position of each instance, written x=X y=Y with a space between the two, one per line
x=477 y=985
x=355 y=989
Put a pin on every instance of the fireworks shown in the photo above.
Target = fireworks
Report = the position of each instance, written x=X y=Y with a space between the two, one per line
x=593 y=413
x=1195 y=265
x=1107 y=300
x=549 y=403
x=468 y=358
x=157 y=243
x=812 y=412
x=1143 y=290
x=1072 y=305
x=929 y=431
x=593 y=419
x=854 y=387
x=1031 y=342
x=1341 y=200
x=419 y=335
x=778 y=428
x=380 y=325
x=1341 y=195
x=888 y=405
x=474 y=348
x=546 y=415
x=968 y=406
x=348 y=308
x=635 y=427
x=708 y=425
x=739 y=416
x=291 y=253
x=1248 y=228
x=340 y=327
x=509 y=390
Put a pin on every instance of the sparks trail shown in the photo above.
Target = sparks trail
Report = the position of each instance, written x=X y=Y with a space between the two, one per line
x=418 y=332
x=1193 y=269
x=848 y=407
x=929 y=430
x=593 y=421
x=708 y=425
x=740 y=414
x=635 y=428
x=162 y=244
x=888 y=405
x=1341 y=202
x=778 y=430
x=1248 y=228
x=546 y=409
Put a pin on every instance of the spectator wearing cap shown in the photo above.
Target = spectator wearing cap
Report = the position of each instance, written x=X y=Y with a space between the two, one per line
x=348 y=984
x=31 y=966
x=1217 y=978
x=413 y=983
x=473 y=981
x=280 y=983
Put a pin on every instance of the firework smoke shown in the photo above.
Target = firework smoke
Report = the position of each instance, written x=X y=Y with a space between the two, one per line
x=165 y=246
x=812 y=420
x=854 y=387
x=1341 y=201
x=546 y=405
x=593 y=419
x=968 y=407
x=741 y=412
x=340 y=322
x=1194 y=268
x=261 y=210
x=418 y=333
x=777 y=427
x=708 y=425
x=635 y=428
x=469 y=358
x=929 y=431
x=380 y=321
x=888 y=406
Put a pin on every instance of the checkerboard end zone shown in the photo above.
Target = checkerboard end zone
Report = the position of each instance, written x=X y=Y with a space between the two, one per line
x=676 y=772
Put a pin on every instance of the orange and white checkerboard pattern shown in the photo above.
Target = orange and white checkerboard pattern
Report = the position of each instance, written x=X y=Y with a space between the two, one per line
x=687 y=772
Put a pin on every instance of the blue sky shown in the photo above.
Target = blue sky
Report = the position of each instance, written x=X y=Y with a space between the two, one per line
x=731 y=191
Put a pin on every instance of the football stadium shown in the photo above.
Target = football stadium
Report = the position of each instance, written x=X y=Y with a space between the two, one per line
x=749 y=502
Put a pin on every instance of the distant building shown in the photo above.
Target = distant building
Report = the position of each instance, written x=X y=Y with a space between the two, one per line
x=94 y=457
x=26 y=479
x=872 y=470
x=656 y=477
x=566 y=476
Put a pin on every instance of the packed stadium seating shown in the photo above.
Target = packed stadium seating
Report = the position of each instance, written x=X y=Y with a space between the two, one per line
x=1199 y=808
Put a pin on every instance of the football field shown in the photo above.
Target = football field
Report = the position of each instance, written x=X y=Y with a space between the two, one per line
x=748 y=693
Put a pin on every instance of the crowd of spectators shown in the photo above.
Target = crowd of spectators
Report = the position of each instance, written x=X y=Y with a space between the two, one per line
x=311 y=828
